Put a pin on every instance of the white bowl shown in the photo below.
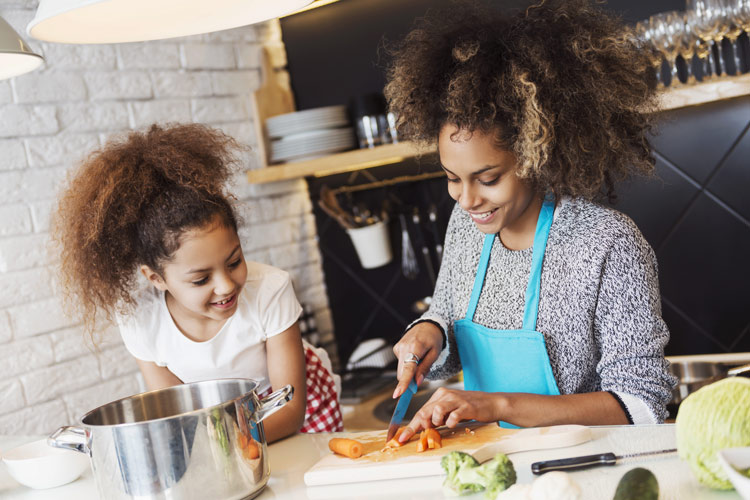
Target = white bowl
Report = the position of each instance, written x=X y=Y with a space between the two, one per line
x=737 y=458
x=38 y=465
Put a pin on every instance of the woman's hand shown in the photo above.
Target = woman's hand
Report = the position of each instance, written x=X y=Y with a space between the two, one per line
x=426 y=341
x=451 y=406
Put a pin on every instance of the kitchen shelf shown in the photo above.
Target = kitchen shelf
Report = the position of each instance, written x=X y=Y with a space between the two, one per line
x=348 y=161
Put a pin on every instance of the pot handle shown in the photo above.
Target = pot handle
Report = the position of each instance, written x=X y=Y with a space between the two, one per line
x=77 y=439
x=738 y=370
x=273 y=402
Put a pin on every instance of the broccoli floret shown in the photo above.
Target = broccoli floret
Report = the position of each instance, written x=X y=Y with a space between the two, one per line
x=465 y=475
x=500 y=474
x=459 y=467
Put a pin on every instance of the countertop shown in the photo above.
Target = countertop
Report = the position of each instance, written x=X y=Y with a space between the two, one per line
x=291 y=457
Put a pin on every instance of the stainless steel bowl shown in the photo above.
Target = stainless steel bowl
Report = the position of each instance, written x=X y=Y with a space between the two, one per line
x=192 y=441
x=693 y=375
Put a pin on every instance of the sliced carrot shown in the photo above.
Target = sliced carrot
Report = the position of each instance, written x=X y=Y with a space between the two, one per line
x=422 y=443
x=347 y=447
x=434 y=440
x=394 y=442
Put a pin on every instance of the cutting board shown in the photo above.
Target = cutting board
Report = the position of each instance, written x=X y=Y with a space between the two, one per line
x=482 y=441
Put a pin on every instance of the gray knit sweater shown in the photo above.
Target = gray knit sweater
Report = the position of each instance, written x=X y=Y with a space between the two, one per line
x=599 y=306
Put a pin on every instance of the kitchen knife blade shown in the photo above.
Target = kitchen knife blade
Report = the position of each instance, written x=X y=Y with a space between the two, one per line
x=589 y=461
x=400 y=411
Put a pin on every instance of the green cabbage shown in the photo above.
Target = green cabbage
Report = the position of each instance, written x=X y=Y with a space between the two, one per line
x=712 y=418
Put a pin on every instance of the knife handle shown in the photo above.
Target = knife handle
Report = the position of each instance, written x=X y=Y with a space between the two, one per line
x=573 y=463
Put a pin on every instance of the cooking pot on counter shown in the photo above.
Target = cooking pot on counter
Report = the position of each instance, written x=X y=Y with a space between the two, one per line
x=695 y=374
x=191 y=441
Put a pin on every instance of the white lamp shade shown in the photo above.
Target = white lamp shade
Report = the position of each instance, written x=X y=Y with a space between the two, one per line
x=16 y=57
x=115 y=21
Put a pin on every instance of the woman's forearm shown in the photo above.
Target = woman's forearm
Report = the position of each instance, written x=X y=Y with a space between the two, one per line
x=534 y=410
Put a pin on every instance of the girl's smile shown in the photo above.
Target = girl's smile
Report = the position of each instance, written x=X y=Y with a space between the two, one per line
x=203 y=279
x=482 y=179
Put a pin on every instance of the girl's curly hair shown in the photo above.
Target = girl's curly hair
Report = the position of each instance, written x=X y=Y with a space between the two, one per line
x=129 y=203
x=563 y=85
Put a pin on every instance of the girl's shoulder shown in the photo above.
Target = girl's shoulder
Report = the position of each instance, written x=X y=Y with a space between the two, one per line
x=595 y=226
x=266 y=284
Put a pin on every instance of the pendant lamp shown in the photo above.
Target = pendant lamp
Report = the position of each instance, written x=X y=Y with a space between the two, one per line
x=16 y=58
x=115 y=21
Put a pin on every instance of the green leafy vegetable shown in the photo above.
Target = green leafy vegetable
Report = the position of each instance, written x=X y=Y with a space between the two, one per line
x=710 y=419
x=464 y=474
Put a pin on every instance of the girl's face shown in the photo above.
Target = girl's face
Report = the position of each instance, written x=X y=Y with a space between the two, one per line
x=206 y=274
x=481 y=178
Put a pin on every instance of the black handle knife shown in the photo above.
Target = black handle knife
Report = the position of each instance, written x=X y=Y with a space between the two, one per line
x=588 y=461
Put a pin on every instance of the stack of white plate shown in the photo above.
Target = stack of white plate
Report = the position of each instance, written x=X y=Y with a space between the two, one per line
x=308 y=134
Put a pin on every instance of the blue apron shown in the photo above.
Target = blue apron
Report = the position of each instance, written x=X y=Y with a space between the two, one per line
x=508 y=360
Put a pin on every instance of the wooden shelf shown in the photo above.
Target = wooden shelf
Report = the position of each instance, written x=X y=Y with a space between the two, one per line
x=338 y=163
x=672 y=98
x=701 y=93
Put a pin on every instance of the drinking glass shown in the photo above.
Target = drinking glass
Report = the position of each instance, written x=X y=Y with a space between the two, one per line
x=667 y=29
x=643 y=36
x=705 y=17
x=731 y=15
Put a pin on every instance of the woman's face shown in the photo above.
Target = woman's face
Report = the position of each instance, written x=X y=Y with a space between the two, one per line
x=206 y=274
x=482 y=179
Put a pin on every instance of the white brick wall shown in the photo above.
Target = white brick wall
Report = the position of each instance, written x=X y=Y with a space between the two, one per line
x=49 y=120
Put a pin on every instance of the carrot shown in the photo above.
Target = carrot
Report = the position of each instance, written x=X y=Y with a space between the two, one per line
x=347 y=447
x=394 y=442
x=434 y=439
x=422 y=443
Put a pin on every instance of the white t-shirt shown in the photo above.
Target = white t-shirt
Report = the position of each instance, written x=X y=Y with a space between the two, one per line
x=266 y=307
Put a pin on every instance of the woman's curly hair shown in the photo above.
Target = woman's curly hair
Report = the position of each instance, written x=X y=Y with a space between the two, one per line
x=563 y=85
x=129 y=203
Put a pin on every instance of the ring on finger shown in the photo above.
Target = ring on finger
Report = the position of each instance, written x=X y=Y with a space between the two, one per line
x=411 y=358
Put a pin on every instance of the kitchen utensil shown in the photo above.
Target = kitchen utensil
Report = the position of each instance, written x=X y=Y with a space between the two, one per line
x=590 y=461
x=198 y=440
x=371 y=353
x=422 y=243
x=409 y=265
x=483 y=441
x=331 y=206
x=693 y=375
x=39 y=466
x=400 y=410
x=733 y=460
x=432 y=216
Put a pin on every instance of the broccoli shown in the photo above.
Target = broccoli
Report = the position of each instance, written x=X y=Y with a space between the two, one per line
x=465 y=475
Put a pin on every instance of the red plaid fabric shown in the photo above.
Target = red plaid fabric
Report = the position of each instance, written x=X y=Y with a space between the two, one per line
x=322 y=412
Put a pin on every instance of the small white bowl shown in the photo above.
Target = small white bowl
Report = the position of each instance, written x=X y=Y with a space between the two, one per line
x=737 y=458
x=39 y=466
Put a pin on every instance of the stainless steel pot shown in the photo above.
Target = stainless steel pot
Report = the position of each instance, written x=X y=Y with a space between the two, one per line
x=192 y=441
x=695 y=374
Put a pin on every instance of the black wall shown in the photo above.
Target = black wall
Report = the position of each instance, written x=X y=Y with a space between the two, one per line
x=695 y=213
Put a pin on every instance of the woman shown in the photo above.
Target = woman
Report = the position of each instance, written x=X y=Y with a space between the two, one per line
x=548 y=301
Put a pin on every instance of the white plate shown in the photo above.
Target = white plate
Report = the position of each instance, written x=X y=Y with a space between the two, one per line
x=296 y=128
x=312 y=154
x=301 y=121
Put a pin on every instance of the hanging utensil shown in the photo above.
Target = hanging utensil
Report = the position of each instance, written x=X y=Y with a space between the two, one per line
x=422 y=243
x=330 y=205
x=409 y=265
x=432 y=215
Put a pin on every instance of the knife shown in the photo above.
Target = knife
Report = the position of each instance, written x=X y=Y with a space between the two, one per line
x=588 y=461
x=400 y=411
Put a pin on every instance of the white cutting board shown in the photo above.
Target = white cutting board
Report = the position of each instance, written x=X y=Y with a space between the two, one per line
x=482 y=441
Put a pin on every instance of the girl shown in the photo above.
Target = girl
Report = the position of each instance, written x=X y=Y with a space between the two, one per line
x=548 y=301
x=154 y=204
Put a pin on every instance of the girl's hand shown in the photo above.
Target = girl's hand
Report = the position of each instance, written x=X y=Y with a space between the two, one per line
x=451 y=406
x=426 y=341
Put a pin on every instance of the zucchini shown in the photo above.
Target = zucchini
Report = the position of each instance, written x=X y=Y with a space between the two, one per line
x=637 y=484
